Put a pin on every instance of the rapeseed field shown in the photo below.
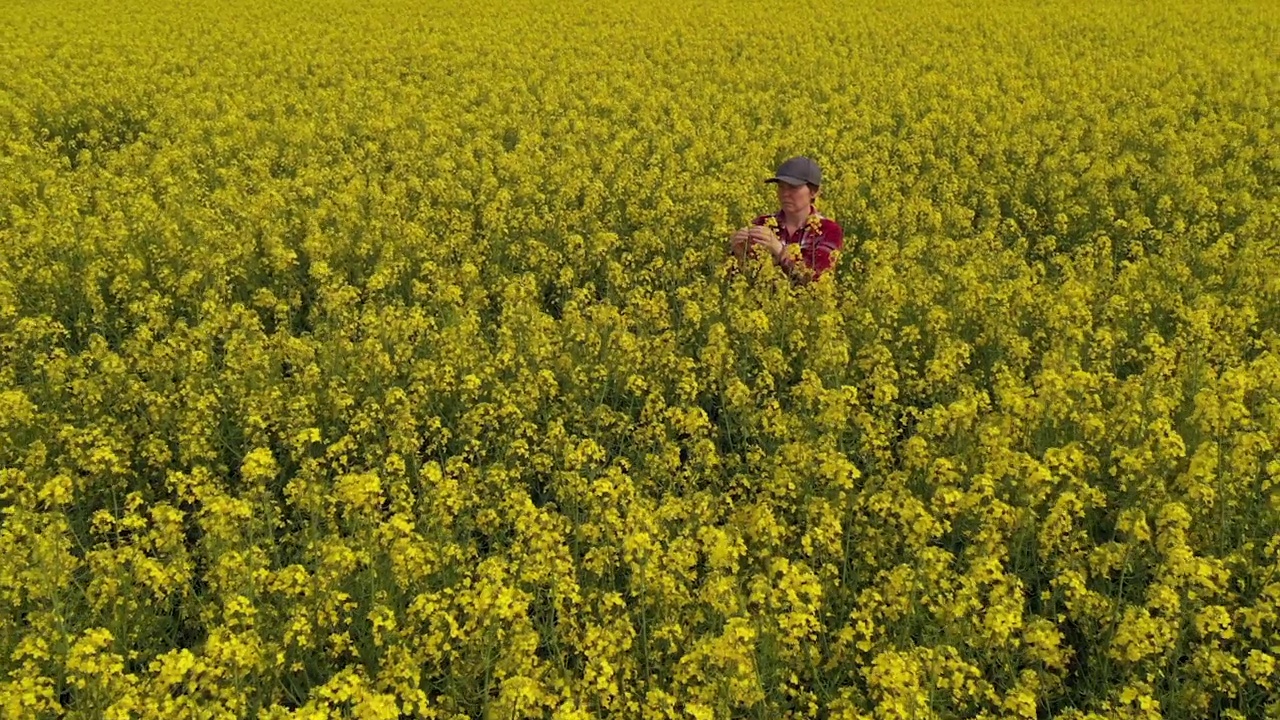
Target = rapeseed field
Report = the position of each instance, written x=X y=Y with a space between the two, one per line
x=386 y=359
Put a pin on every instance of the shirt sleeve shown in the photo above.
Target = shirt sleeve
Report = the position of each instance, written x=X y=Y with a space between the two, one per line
x=818 y=257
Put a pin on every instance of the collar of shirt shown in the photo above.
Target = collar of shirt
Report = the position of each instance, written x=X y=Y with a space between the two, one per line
x=802 y=232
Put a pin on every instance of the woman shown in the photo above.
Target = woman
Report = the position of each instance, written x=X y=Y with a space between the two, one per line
x=798 y=238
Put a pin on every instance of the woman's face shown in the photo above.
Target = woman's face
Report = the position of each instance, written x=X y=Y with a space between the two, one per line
x=795 y=199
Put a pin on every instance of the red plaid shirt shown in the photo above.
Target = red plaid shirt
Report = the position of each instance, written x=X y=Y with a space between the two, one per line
x=817 y=238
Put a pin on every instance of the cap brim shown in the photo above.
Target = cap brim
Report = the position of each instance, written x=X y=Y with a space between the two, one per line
x=786 y=179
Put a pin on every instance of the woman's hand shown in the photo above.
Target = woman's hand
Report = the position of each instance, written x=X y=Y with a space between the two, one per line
x=761 y=235
x=740 y=242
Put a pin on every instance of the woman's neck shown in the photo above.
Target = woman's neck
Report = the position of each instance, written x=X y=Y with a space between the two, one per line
x=794 y=223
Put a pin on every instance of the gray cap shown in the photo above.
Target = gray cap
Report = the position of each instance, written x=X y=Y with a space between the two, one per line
x=798 y=171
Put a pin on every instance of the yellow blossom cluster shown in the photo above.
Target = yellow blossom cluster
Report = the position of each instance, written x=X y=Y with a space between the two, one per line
x=386 y=359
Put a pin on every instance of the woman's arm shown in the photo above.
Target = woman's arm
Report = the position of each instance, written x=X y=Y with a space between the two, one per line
x=818 y=258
